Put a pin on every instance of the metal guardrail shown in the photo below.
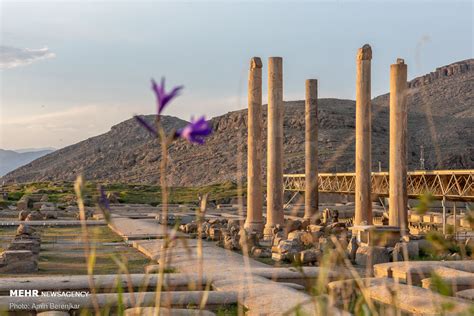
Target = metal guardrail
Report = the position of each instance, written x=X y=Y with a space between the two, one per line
x=450 y=184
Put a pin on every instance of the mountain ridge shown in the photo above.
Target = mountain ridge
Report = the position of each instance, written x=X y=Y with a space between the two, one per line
x=12 y=159
x=441 y=118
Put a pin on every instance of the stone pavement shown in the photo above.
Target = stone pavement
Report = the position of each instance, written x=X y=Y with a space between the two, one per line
x=226 y=270
x=132 y=229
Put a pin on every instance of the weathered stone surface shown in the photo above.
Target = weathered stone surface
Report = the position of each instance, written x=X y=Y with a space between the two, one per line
x=163 y=311
x=18 y=261
x=25 y=229
x=215 y=233
x=315 y=228
x=368 y=256
x=412 y=251
x=34 y=216
x=50 y=215
x=309 y=256
x=32 y=245
x=466 y=294
x=23 y=215
x=352 y=248
x=409 y=299
x=189 y=228
x=306 y=238
x=22 y=204
x=415 y=271
x=289 y=246
x=45 y=207
x=231 y=241
x=258 y=252
x=457 y=281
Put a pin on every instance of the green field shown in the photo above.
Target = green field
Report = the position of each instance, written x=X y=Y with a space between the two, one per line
x=126 y=193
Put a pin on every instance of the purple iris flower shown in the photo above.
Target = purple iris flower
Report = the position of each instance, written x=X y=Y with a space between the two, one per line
x=146 y=125
x=195 y=131
x=162 y=97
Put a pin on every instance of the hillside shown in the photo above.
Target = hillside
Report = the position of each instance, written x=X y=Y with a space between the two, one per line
x=12 y=159
x=441 y=118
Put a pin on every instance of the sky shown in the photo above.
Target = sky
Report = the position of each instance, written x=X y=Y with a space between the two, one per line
x=69 y=70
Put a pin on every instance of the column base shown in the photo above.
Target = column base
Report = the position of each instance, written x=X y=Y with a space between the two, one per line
x=253 y=227
x=268 y=231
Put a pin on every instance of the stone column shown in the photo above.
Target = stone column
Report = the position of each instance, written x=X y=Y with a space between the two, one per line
x=398 y=213
x=254 y=221
x=311 y=149
x=363 y=202
x=275 y=145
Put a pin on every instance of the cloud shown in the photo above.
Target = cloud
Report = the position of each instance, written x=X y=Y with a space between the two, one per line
x=11 y=57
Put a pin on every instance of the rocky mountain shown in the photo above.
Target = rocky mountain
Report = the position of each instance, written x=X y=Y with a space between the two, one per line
x=12 y=159
x=441 y=119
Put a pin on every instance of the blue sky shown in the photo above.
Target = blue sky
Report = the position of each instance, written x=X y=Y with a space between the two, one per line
x=71 y=70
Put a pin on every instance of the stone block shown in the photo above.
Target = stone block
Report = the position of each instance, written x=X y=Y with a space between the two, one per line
x=370 y=235
x=23 y=215
x=215 y=233
x=31 y=245
x=22 y=204
x=368 y=256
x=412 y=249
x=289 y=246
x=309 y=256
x=35 y=216
x=306 y=238
x=18 y=261
x=279 y=256
x=24 y=229
x=456 y=283
x=258 y=252
x=466 y=294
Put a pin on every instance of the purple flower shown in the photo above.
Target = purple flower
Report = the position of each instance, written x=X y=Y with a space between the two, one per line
x=146 y=125
x=162 y=97
x=195 y=131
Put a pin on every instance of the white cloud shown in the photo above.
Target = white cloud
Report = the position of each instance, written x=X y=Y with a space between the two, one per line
x=11 y=57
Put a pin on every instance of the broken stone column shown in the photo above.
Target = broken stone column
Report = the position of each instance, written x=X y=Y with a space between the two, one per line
x=363 y=203
x=311 y=149
x=398 y=212
x=254 y=221
x=275 y=145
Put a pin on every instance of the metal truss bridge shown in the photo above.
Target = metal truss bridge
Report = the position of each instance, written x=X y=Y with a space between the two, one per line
x=441 y=184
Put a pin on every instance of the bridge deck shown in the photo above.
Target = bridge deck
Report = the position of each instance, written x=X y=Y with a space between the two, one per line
x=451 y=184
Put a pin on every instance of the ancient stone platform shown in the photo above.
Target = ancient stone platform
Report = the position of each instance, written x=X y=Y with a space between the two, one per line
x=228 y=270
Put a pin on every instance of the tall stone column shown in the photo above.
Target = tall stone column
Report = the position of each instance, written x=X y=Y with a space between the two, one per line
x=254 y=221
x=363 y=202
x=311 y=149
x=275 y=145
x=398 y=213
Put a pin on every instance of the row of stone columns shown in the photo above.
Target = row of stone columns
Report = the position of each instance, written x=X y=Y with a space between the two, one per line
x=398 y=215
x=275 y=116
x=363 y=201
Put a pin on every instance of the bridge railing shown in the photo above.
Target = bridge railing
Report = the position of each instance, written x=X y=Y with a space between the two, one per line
x=450 y=184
